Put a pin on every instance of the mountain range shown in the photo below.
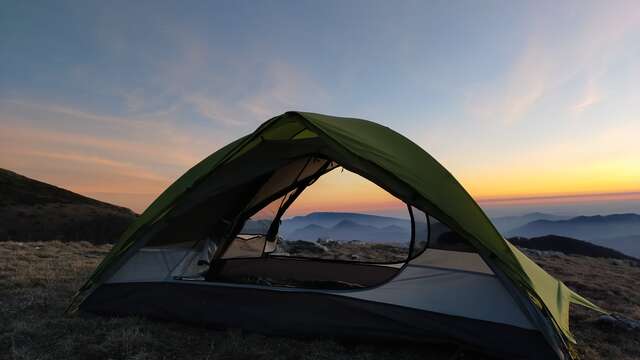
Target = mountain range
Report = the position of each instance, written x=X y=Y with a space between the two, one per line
x=504 y=224
x=330 y=219
x=33 y=210
x=617 y=231
x=346 y=230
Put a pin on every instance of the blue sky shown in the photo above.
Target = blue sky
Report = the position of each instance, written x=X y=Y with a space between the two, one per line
x=117 y=99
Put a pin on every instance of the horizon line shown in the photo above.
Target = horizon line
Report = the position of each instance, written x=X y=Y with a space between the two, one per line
x=633 y=195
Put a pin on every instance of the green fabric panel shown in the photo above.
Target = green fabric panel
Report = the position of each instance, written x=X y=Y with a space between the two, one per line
x=162 y=204
x=305 y=134
x=284 y=129
x=577 y=299
x=553 y=293
x=248 y=146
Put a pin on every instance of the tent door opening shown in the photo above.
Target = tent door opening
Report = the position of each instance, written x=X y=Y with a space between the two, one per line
x=286 y=244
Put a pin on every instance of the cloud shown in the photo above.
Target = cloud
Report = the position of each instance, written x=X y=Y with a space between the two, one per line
x=281 y=87
x=215 y=110
x=572 y=198
x=69 y=112
x=288 y=88
x=551 y=62
x=93 y=153
x=591 y=97
x=119 y=167
x=152 y=136
x=525 y=83
x=135 y=100
x=142 y=152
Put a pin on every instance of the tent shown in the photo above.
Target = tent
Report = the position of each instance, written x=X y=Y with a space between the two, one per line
x=200 y=253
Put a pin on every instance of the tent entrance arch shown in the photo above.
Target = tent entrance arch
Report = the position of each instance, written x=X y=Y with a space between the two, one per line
x=337 y=247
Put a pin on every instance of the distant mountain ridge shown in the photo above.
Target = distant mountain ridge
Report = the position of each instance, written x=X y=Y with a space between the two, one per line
x=505 y=224
x=597 y=226
x=617 y=231
x=347 y=230
x=32 y=210
x=356 y=226
x=569 y=246
x=330 y=219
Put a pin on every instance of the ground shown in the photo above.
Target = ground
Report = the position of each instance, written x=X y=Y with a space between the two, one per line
x=37 y=280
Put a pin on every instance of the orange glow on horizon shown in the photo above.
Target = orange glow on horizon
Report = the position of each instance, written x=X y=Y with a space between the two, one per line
x=342 y=190
x=561 y=198
x=536 y=184
x=122 y=176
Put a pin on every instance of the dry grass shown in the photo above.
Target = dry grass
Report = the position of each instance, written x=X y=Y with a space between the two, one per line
x=38 y=279
x=612 y=284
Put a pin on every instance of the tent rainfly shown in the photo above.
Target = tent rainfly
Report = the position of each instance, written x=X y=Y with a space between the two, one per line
x=202 y=253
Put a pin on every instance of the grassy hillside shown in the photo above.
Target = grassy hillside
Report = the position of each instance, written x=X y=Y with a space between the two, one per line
x=33 y=210
x=37 y=280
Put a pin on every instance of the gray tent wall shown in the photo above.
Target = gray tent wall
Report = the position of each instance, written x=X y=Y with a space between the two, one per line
x=440 y=296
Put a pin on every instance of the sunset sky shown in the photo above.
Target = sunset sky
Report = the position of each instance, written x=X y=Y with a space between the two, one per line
x=525 y=103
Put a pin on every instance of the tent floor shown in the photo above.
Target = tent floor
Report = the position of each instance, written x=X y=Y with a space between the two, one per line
x=311 y=314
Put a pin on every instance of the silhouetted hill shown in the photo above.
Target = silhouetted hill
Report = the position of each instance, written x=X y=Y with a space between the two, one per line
x=568 y=246
x=32 y=210
x=16 y=189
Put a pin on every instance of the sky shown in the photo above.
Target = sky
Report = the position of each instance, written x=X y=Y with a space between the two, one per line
x=526 y=103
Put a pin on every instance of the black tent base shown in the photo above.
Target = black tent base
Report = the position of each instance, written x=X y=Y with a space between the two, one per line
x=311 y=315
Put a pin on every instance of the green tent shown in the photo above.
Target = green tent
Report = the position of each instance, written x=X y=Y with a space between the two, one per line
x=210 y=205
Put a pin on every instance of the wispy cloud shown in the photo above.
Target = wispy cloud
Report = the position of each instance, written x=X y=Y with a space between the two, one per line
x=560 y=198
x=146 y=151
x=280 y=88
x=525 y=83
x=69 y=112
x=154 y=136
x=288 y=88
x=591 y=97
x=89 y=152
x=546 y=65
x=119 y=167
x=215 y=110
